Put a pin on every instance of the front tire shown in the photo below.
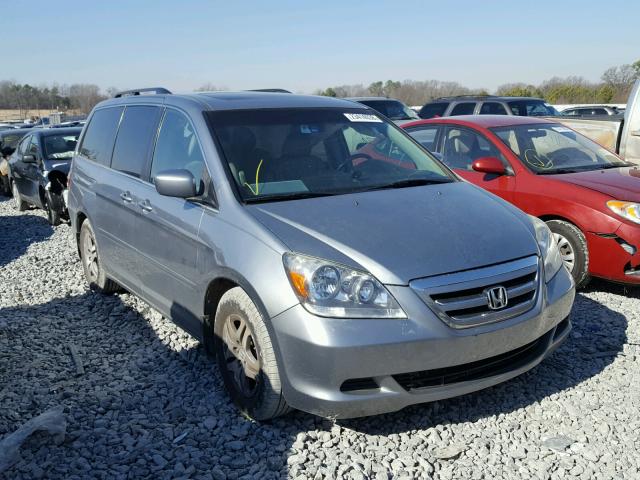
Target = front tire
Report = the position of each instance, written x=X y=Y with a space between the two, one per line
x=91 y=262
x=53 y=216
x=246 y=358
x=573 y=250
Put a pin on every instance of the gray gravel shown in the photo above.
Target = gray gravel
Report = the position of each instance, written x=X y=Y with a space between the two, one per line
x=141 y=399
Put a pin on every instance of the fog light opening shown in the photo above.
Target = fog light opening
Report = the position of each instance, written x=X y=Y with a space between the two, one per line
x=630 y=249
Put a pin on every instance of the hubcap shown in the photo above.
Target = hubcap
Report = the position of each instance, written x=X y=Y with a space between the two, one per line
x=566 y=251
x=90 y=256
x=241 y=354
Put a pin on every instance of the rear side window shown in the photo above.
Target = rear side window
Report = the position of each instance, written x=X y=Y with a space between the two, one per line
x=492 y=108
x=97 y=143
x=425 y=136
x=178 y=148
x=135 y=137
x=465 y=108
x=431 y=110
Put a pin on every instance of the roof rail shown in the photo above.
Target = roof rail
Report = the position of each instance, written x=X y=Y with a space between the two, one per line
x=270 y=90
x=138 y=91
x=470 y=95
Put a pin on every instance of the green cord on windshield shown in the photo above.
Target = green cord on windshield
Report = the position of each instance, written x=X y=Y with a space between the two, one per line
x=257 y=189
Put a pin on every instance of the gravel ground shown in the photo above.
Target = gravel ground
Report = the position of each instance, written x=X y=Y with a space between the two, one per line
x=143 y=400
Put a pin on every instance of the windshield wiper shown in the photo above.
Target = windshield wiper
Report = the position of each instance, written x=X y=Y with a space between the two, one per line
x=288 y=196
x=409 y=182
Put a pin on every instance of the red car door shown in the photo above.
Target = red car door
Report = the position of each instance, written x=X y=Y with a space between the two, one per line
x=461 y=146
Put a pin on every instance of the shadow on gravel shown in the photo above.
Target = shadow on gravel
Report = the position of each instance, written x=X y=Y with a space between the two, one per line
x=17 y=233
x=598 y=335
x=137 y=406
x=597 y=285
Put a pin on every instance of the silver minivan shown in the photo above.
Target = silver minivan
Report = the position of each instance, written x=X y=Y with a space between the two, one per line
x=326 y=260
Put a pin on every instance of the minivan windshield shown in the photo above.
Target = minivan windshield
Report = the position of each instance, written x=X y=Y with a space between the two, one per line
x=392 y=109
x=278 y=154
x=554 y=148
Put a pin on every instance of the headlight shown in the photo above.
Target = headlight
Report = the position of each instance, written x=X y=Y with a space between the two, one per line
x=548 y=248
x=329 y=289
x=628 y=210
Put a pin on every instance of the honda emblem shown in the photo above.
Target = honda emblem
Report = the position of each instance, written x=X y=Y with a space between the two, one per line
x=497 y=297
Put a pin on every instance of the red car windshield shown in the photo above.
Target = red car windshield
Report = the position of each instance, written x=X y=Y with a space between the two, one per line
x=554 y=148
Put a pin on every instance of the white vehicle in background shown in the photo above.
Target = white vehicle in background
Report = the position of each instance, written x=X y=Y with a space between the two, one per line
x=619 y=134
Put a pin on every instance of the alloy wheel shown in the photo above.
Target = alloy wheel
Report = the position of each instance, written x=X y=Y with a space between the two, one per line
x=566 y=251
x=241 y=354
x=90 y=256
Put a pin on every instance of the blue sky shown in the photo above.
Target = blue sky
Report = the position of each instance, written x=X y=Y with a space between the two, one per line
x=307 y=45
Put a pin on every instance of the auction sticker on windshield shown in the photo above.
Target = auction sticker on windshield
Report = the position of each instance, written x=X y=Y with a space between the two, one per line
x=362 y=117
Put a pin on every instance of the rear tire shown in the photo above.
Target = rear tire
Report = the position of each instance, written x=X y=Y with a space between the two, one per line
x=19 y=204
x=91 y=262
x=573 y=250
x=246 y=358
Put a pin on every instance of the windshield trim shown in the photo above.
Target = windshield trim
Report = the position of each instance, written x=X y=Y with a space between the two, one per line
x=209 y=117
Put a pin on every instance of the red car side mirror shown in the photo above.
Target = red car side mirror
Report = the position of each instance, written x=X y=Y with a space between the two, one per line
x=489 y=165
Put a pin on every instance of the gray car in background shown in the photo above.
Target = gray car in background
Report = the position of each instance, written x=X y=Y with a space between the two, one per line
x=393 y=109
x=325 y=259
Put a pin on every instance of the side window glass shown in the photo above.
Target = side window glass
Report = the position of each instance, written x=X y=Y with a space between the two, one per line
x=97 y=144
x=33 y=146
x=24 y=146
x=134 y=139
x=178 y=148
x=465 y=108
x=492 y=108
x=462 y=147
x=425 y=137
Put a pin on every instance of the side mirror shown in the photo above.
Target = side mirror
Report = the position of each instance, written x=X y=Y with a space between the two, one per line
x=489 y=165
x=176 y=183
x=29 y=159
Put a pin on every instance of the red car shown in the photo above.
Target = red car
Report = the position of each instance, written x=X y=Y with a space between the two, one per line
x=588 y=196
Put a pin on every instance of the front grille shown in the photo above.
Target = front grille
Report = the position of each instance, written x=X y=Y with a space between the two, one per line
x=460 y=299
x=477 y=370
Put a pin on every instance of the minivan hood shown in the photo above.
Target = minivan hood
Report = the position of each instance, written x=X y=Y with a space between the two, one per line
x=619 y=183
x=402 y=234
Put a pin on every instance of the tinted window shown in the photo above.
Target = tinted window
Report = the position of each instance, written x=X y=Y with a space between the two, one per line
x=33 y=146
x=178 y=148
x=135 y=138
x=462 y=147
x=431 y=110
x=425 y=136
x=492 y=108
x=392 y=109
x=463 y=109
x=599 y=111
x=25 y=145
x=97 y=143
x=11 y=141
x=533 y=108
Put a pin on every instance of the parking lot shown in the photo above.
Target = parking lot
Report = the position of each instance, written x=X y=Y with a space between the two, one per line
x=141 y=398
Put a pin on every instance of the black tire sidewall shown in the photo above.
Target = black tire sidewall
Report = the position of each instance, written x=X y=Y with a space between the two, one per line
x=247 y=405
x=52 y=215
x=575 y=237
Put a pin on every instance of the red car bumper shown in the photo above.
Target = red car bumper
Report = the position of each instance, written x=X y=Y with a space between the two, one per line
x=616 y=257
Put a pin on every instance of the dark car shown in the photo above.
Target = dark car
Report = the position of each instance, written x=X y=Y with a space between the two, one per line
x=486 y=105
x=392 y=109
x=8 y=141
x=39 y=167
x=591 y=110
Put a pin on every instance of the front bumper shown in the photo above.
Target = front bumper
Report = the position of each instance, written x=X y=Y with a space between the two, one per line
x=610 y=257
x=318 y=355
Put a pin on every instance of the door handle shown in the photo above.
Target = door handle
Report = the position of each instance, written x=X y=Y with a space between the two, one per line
x=145 y=206
x=126 y=197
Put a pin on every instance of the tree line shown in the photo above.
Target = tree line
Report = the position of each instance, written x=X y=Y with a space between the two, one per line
x=28 y=98
x=614 y=87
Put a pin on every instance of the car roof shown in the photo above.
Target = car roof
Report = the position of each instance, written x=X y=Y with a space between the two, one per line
x=247 y=100
x=47 y=132
x=475 y=98
x=14 y=131
x=486 y=121
x=371 y=99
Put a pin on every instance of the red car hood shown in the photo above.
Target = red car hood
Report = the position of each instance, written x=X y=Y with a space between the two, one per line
x=619 y=183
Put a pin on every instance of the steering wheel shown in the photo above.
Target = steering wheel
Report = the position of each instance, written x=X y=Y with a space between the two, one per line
x=343 y=165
